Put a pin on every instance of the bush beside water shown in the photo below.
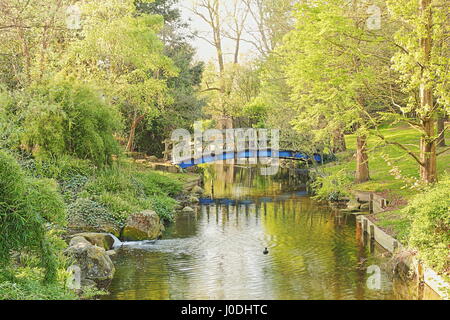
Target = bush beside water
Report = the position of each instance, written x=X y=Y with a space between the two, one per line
x=332 y=187
x=430 y=228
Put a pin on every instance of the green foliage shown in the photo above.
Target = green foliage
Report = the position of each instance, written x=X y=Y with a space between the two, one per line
x=122 y=190
x=9 y=130
x=410 y=62
x=329 y=61
x=62 y=169
x=33 y=290
x=158 y=184
x=332 y=187
x=120 y=50
x=23 y=278
x=69 y=118
x=256 y=110
x=164 y=207
x=90 y=213
x=26 y=206
x=186 y=106
x=430 y=230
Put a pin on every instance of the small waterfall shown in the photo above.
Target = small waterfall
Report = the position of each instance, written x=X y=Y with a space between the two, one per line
x=117 y=243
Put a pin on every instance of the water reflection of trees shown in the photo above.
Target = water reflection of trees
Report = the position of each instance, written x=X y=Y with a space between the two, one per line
x=315 y=253
x=236 y=181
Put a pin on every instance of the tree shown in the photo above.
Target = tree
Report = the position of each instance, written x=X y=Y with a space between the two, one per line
x=270 y=21
x=120 y=51
x=32 y=35
x=210 y=11
x=213 y=13
x=442 y=117
x=236 y=27
x=334 y=74
x=422 y=61
x=186 y=107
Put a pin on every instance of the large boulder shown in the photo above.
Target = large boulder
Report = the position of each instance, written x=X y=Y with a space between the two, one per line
x=102 y=240
x=93 y=262
x=78 y=241
x=142 y=226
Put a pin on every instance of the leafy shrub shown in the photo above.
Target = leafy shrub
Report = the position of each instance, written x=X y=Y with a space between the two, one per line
x=9 y=129
x=332 y=187
x=61 y=169
x=72 y=174
x=45 y=200
x=26 y=206
x=67 y=118
x=115 y=179
x=430 y=231
x=123 y=204
x=164 y=207
x=88 y=213
x=72 y=187
x=123 y=190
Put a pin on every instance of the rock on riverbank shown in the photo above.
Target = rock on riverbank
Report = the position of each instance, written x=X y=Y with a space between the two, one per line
x=143 y=226
x=94 y=265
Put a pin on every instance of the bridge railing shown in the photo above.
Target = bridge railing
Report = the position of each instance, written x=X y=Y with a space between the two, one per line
x=220 y=141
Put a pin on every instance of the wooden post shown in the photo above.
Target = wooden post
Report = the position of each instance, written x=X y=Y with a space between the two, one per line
x=358 y=231
x=371 y=203
x=420 y=273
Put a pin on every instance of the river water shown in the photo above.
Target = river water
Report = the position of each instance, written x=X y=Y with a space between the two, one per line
x=217 y=252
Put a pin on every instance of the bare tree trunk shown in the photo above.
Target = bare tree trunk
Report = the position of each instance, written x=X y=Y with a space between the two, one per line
x=428 y=169
x=236 y=50
x=132 y=135
x=362 y=160
x=441 y=130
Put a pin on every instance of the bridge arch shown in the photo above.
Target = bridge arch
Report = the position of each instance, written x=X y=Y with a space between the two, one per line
x=247 y=154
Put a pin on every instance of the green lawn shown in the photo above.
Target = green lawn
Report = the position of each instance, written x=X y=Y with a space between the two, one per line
x=381 y=179
x=395 y=221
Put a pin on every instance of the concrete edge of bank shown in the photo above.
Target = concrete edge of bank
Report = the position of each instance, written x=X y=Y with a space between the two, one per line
x=423 y=273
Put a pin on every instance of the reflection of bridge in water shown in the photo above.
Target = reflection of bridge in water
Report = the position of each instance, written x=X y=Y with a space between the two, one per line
x=256 y=204
x=252 y=200
x=295 y=205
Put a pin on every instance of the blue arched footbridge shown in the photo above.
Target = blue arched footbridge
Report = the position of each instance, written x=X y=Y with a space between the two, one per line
x=264 y=154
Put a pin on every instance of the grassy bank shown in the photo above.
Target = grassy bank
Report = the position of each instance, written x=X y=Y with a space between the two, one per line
x=43 y=199
x=418 y=216
x=384 y=177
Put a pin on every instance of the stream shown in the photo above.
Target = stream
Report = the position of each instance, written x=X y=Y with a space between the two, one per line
x=217 y=252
